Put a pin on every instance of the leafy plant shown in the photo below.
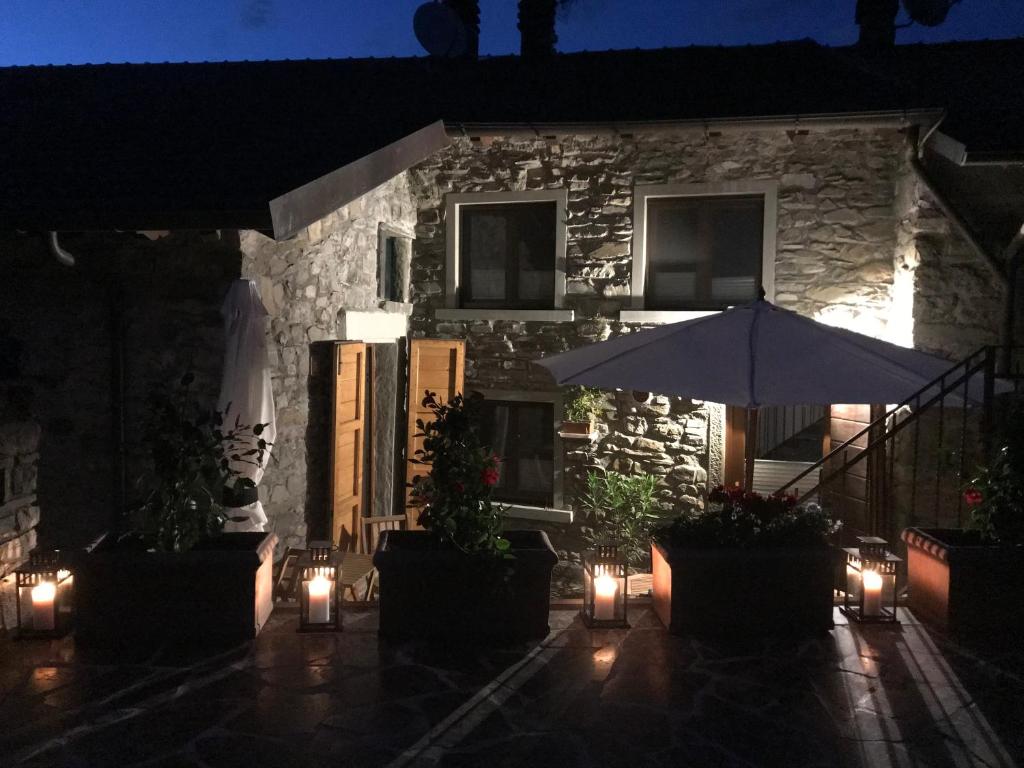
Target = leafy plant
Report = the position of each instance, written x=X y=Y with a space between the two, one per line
x=584 y=403
x=996 y=495
x=193 y=456
x=620 y=509
x=455 y=497
x=738 y=519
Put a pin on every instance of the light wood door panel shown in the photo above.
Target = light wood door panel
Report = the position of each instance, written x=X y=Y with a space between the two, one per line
x=347 y=438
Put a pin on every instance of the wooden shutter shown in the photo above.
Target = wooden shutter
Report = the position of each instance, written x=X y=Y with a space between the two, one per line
x=735 y=446
x=349 y=412
x=850 y=497
x=438 y=365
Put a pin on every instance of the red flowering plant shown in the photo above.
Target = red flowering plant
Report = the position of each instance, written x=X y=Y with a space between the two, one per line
x=454 y=497
x=741 y=519
x=995 y=496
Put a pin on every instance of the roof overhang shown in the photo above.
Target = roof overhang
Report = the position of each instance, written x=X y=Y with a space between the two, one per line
x=309 y=203
x=957 y=152
x=886 y=119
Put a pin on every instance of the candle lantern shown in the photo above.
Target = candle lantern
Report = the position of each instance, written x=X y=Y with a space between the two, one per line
x=605 y=587
x=319 y=589
x=871 y=569
x=44 y=595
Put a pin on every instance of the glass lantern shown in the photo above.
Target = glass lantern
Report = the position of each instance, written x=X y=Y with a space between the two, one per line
x=319 y=589
x=605 y=587
x=871 y=570
x=44 y=595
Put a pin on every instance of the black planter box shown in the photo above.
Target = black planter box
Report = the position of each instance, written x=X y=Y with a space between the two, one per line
x=221 y=591
x=960 y=585
x=431 y=592
x=743 y=592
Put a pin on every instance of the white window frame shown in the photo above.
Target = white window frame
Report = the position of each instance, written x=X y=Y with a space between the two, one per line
x=454 y=202
x=769 y=190
x=556 y=513
x=386 y=231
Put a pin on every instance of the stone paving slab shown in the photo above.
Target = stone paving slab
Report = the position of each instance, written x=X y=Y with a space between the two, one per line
x=856 y=696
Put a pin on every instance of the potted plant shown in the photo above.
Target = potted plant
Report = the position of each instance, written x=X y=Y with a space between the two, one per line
x=748 y=566
x=969 y=582
x=580 y=411
x=461 y=578
x=175 y=573
x=620 y=510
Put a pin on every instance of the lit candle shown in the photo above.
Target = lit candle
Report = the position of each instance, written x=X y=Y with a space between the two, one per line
x=872 y=581
x=319 y=600
x=43 y=595
x=605 y=590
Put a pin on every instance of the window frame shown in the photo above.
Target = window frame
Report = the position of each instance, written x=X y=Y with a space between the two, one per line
x=768 y=190
x=454 y=202
x=555 y=400
x=386 y=232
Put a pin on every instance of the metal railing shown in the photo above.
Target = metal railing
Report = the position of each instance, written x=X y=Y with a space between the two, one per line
x=915 y=459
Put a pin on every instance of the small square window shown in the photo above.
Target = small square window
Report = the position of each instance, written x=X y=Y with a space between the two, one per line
x=507 y=255
x=703 y=252
x=522 y=435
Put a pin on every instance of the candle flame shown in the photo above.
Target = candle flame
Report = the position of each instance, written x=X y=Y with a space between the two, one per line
x=872 y=580
x=44 y=592
x=605 y=585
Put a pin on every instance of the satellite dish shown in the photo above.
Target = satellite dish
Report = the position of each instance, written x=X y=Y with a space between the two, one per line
x=440 y=30
x=930 y=13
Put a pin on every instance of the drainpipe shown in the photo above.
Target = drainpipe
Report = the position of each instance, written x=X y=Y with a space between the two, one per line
x=59 y=253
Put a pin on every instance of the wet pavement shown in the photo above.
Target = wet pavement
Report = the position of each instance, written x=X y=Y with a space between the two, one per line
x=857 y=696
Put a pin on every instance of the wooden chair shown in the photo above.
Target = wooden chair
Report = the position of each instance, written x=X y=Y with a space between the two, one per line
x=357 y=560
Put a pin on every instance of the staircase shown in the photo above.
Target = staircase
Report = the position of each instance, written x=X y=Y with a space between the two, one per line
x=910 y=464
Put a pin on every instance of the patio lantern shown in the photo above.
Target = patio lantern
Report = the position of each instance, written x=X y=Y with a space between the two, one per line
x=320 y=591
x=605 y=587
x=870 y=595
x=44 y=595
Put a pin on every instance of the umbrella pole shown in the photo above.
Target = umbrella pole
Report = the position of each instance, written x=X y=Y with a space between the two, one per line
x=750 y=449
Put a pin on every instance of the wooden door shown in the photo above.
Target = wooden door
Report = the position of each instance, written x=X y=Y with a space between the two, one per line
x=853 y=496
x=437 y=365
x=348 y=439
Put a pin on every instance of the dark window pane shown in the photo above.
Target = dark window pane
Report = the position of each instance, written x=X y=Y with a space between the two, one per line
x=387 y=271
x=522 y=435
x=703 y=252
x=507 y=255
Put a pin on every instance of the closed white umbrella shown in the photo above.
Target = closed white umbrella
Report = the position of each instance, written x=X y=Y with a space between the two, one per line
x=751 y=356
x=245 y=390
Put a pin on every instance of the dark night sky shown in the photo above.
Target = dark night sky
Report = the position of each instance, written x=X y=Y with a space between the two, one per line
x=77 y=31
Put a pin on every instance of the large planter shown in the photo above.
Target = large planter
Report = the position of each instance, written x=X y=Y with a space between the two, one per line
x=743 y=592
x=971 y=590
x=432 y=592
x=221 y=591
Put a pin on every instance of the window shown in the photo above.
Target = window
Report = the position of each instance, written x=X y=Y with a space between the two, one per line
x=506 y=250
x=394 y=254
x=522 y=434
x=703 y=246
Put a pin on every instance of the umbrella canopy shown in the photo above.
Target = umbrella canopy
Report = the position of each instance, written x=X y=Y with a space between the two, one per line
x=754 y=355
x=245 y=390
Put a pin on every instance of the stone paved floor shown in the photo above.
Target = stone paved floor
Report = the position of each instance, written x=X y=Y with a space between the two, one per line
x=873 y=697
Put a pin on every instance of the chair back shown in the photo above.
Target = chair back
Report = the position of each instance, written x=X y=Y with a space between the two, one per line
x=372 y=527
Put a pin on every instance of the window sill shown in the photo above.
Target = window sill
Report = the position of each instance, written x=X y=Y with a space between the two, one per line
x=536 y=315
x=663 y=315
x=540 y=514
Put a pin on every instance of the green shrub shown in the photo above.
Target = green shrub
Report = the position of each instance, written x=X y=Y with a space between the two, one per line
x=620 y=510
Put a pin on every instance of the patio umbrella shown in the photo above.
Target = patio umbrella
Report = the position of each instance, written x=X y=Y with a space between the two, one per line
x=245 y=390
x=752 y=356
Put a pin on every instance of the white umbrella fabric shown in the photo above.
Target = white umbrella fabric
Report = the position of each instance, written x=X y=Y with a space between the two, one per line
x=752 y=356
x=245 y=390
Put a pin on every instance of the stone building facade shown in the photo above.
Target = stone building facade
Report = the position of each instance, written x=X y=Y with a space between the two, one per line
x=852 y=230
x=857 y=242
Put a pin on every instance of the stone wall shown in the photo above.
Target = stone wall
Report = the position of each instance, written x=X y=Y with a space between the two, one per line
x=952 y=300
x=835 y=260
x=305 y=282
